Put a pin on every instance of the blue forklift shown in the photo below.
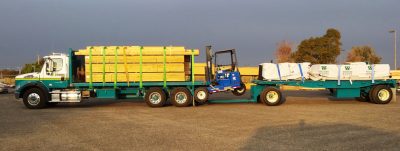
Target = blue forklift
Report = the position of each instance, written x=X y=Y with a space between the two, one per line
x=226 y=77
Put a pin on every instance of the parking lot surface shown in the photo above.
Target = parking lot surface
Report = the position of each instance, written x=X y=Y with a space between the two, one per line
x=309 y=120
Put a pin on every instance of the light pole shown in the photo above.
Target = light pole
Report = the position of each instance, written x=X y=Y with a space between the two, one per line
x=395 y=47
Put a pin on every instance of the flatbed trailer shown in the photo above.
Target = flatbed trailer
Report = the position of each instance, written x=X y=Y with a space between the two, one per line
x=375 y=91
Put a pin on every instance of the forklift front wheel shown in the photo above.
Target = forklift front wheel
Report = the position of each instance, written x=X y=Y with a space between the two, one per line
x=271 y=96
x=240 y=91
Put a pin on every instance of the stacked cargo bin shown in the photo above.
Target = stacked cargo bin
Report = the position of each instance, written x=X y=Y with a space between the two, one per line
x=136 y=63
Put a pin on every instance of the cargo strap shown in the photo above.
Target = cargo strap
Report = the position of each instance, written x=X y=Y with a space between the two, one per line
x=301 y=73
x=91 y=68
x=373 y=73
x=165 y=68
x=140 y=68
x=115 y=67
x=339 y=67
x=126 y=67
x=104 y=65
x=192 y=66
x=192 y=74
x=279 y=71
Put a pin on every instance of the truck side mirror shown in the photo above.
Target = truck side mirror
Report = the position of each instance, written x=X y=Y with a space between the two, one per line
x=48 y=68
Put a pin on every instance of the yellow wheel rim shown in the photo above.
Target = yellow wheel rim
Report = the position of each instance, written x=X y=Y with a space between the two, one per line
x=383 y=95
x=272 y=97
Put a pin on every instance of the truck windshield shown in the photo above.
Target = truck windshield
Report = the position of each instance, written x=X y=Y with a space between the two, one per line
x=57 y=64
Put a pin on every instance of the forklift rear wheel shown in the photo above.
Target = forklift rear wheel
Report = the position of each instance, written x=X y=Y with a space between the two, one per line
x=381 y=94
x=155 y=97
x=181 y=97
x=201 y=95
x=240 y=91
x=271 y=96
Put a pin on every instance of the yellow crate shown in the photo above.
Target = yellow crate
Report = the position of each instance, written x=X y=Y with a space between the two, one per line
x=134 y=77
x=135 y=51
x=176 y=67
x=135 y=59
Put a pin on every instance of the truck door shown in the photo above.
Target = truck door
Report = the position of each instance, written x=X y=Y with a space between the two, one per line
x=54 y=73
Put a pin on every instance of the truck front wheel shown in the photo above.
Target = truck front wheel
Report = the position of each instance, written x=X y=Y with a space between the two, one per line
x=181 y=97
x=271 y=96
x=34 y=98
x=155 y=97
x=381 y=94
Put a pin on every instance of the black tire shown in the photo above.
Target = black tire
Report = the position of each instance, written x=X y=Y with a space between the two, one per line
x=201 y=95
x=240 y=91
x=381 y=94
x=34 y=98
x=364 y=97
x=155 y=97
x=181 y=97
x=272 y=92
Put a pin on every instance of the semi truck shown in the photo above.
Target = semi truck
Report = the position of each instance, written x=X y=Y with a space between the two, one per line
x=56 y=83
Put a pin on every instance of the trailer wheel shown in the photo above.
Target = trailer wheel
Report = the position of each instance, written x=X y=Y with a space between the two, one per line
x=181 y=97
x=271 y=96
x=34 y=98
x=240 y=91
x=201 y=95
x=381 y=94
x=155 y=97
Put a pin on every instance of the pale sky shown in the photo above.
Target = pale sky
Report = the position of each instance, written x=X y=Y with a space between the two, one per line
x=254 y=27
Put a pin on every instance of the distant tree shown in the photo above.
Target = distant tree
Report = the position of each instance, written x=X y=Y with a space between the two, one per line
x=8 y=73
x=31 y=67
x=319 y=50
x=363 y=54
x=283 y=51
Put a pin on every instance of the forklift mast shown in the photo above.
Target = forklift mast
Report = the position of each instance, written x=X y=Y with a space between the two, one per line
x=209 y=73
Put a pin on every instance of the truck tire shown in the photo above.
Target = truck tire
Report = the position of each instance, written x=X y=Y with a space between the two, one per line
x=155 y=97
x=201 y=95
x=181 y=97
x=381 y=94
x=34 y=98
x=271 y=96
x=240 y=91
